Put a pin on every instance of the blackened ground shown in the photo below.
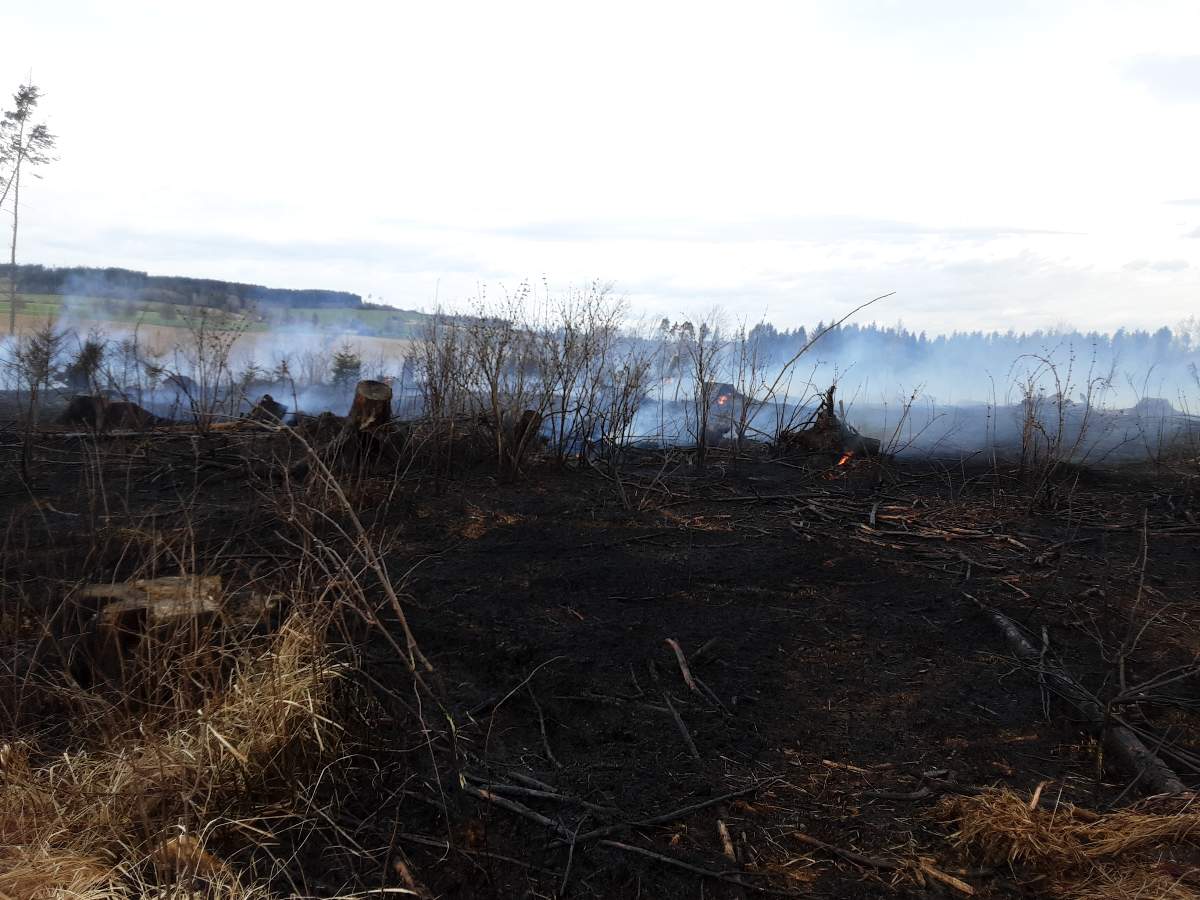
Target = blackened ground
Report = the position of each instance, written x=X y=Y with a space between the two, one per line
x=835 y=669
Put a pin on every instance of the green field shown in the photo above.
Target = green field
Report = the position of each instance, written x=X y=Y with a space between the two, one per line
x=378 y=322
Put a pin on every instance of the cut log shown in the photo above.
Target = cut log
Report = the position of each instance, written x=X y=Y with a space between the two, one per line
x=156 y=606
x=1121 y=744
x=164 y=599
x=372 y=405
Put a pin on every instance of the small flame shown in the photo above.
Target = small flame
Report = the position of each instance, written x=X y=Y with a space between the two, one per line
x=845 y=457
x=721 y=400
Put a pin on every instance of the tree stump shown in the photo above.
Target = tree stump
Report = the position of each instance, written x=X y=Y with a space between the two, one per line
x=363 y=439
x=267 y=409
x=372 y=405
x=86 y=410
x=125 y=414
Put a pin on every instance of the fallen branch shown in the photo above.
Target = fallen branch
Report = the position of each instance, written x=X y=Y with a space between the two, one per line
x=575 y=838
x=1121 y=743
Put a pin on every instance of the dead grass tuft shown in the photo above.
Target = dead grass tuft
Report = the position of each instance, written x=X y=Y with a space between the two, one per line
x=109 y=818
x=1143 y=851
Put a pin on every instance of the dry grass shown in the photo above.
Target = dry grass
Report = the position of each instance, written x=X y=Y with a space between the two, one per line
x=111 y=817
x=1144 y=851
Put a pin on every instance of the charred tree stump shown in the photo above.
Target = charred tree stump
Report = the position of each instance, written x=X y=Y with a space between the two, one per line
x=86 y=410
x=362 y=442
x=268 y=410
x=372 y=405
x=98 y=413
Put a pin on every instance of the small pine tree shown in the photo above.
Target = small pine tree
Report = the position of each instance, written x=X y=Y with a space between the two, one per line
x=347 y=367
x=83 y=371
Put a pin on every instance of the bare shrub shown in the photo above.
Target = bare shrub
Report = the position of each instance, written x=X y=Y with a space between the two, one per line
x=203 y=370
x=577 y=342
x=1054 y=428
x=749 y=365
x=704 y=348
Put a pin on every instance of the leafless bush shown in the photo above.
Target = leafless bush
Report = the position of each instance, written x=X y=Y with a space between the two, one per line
x=1054 y=428
x=203 y=370
x=749 y=365
x=313 y=366
x=577 y=342
x=704 y=349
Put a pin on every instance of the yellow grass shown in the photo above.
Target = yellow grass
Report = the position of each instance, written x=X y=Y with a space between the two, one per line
x=105 y=821
x=1074 y=852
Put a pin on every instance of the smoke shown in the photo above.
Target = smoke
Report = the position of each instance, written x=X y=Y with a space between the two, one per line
x=953 y=394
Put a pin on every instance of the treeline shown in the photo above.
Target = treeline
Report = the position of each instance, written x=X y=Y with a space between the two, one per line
x=901 y=346
x=126 y=284
x=976 y=364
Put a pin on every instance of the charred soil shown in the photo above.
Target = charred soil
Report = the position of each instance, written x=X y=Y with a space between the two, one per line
x=790 y=647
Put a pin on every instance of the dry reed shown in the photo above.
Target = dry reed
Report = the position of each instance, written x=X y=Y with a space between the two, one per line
x=1143 y=851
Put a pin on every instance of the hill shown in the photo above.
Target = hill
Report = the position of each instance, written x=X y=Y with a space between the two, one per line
x=139 y=287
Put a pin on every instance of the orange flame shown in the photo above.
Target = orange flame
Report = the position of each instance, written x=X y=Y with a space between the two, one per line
x=845 y=457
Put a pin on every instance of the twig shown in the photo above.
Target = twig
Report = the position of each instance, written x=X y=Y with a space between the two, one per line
x=539 y=794
x=444 y=845
x=674 y=814
x=686 y=866
x=566 y=876
x=683 y=666
x=873 y=862
x=687 y=736
x=542 y=726
x=520 y=809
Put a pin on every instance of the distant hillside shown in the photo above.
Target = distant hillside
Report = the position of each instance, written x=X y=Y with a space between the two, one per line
x=128 y=285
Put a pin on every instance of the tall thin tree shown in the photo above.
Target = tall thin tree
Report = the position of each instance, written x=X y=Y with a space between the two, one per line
x=23 y=143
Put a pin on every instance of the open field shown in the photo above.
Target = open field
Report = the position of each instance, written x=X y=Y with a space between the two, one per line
x=842 y=717
x=163 y=336
x=110 y=314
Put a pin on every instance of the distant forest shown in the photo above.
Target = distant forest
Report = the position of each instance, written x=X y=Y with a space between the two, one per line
x=126 y=284
x=966 y=363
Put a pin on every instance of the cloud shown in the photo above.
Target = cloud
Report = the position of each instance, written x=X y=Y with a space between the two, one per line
x=1158 y=265
x=792 y=229
x=1174 y=78
x=200 y=250
x=1194 y=233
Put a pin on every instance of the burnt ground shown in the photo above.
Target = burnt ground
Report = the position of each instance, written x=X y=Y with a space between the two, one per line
x=847 y=677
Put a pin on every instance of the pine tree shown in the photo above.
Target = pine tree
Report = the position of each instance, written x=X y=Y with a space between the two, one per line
x=347 y=367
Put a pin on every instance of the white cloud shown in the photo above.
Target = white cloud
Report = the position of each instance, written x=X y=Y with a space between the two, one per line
x=989 y=162
x=1175 y=78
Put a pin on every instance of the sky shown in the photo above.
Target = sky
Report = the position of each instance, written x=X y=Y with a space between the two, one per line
x=997 y=165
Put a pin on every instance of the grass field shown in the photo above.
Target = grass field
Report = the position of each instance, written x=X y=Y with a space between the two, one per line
x=36 y=308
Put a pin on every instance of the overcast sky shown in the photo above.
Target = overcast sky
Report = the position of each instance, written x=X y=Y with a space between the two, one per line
x=999 y=165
